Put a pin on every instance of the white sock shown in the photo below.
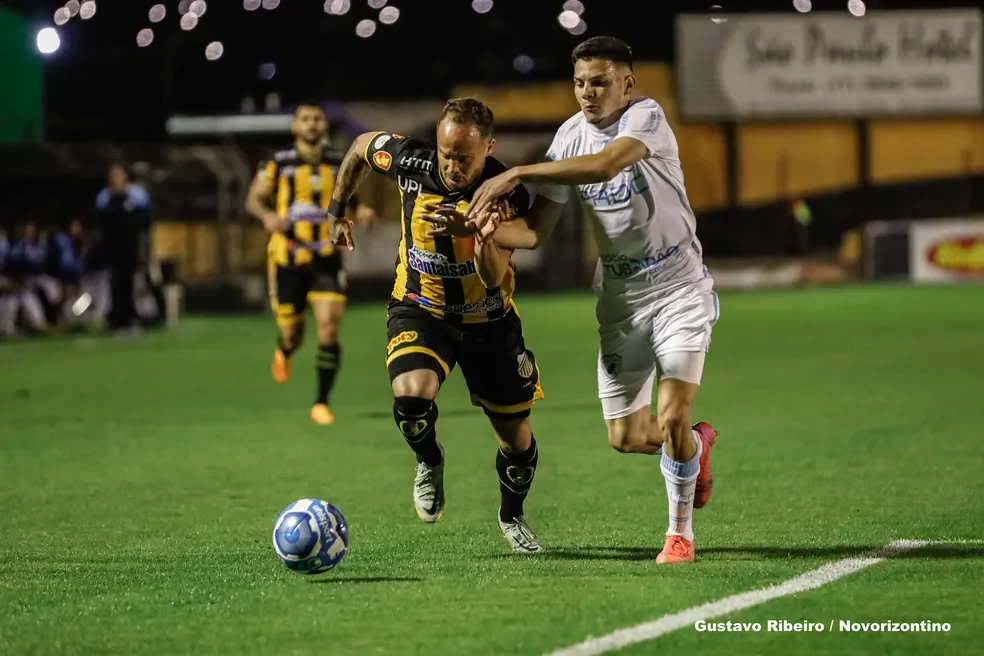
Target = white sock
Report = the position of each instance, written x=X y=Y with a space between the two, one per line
x=681 y=483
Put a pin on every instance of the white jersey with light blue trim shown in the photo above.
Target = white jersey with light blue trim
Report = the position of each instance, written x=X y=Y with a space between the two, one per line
x=643 y=222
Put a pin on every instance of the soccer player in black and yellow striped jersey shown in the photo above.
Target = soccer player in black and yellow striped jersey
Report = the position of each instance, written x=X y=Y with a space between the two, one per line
x=452 y=303
x=289 y=195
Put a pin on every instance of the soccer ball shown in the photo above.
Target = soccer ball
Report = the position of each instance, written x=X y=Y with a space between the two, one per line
x=310 y=536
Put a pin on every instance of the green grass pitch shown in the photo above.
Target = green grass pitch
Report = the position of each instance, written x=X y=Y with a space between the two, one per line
x=139 y=482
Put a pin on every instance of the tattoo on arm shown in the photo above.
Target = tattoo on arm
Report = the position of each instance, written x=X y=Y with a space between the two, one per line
x=352 y=172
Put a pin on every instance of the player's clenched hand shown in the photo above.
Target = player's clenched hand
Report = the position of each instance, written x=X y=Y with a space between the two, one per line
x=342 y=232
x=490 y=190
x=273 y=223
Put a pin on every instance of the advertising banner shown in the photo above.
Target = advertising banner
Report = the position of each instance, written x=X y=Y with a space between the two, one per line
x=817 y=65
x=947 y=251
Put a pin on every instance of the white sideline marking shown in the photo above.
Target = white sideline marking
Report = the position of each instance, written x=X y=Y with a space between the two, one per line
x=809 y=581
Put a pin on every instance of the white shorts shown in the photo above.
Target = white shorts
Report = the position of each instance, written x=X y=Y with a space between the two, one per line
x=667 y=336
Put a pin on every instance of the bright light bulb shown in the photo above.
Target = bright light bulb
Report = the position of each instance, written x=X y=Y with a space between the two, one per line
x=389 y=15
x=366 y=28
x=568 y=19
x=214 y=50
x=48 y=41
x=482 y=6
x=145 y=37
x=338 y=7
x=574 y=5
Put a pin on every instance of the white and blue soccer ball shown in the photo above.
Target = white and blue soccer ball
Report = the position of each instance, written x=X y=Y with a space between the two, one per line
x=310 y=536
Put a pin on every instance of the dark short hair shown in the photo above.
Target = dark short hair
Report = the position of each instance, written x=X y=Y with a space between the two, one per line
x=307 y=102
x=470 y=111
x=603 y=47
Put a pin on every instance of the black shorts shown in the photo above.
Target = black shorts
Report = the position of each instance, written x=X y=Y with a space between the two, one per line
x=291 y=288
x=501 y=373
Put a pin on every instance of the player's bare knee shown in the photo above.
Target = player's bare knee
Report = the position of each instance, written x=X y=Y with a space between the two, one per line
x=292 y=335
x=422 y=383
x=514 y=433
x=328 y=332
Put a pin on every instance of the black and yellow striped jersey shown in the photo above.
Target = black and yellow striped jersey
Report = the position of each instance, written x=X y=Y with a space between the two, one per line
x=302 y=191
x=438 y=272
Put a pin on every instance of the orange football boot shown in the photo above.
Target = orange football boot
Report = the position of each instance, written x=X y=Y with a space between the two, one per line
x=676 y=550
x=321 y=415
x=280 y=366
x=705 y=482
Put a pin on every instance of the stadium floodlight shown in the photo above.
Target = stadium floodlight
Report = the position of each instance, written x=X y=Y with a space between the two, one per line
x=579 y=29
x=48 y=41
x=482 y=6
x=157 y=13
x=377 y=4
x=87 y=10
x=366 y=28
x=568 y=19
x=389 y=15
x=189 y=21
x=214 y=50
x=856 y=7
x=184 y=7
x=251 y=5
x=338 y=7
x=574 y=5
x=73 y=7
x=62 y=16
x=270 y=5
x=198 y=8
x=802 y=6
x=145 y=37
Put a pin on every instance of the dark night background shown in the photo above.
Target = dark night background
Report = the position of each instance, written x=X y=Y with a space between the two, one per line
x=100 y=84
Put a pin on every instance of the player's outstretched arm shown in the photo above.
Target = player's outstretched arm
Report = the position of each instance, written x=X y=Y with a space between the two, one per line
x=583 y=169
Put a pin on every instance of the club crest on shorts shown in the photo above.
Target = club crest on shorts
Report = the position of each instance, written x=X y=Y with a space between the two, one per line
x=525 y=365
x=612 y=363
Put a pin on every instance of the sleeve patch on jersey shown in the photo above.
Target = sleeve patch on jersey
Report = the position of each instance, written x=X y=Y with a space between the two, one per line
x=383 y=160
x=380 y=141
x=655 y=120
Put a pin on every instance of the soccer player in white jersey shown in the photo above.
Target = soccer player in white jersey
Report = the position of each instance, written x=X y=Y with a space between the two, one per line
x=656 y=305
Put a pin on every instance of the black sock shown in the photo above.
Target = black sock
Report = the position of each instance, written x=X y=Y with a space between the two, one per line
x=328 y=361
x=417 y=418
x=283 y=348
x=516 y=472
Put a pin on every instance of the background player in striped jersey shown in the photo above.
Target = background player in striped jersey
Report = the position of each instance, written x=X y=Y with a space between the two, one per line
x=656 y=304
x=289 y=195
x=453 y=303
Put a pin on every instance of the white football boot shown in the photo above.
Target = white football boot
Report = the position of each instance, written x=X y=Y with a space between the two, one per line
x=519 y=536
x=428 y=491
